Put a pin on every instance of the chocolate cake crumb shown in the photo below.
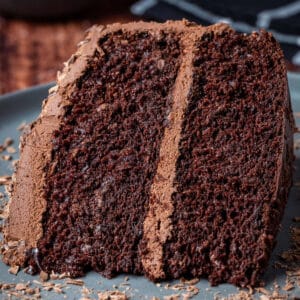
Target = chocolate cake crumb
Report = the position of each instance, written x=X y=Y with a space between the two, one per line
x=5 y=180
x=242 y=295
x=192 y=289
x=15 y=163
x=44 y=276
x=112 y=295
x=7 y=142
x=22 y=126
x=177 y=287
x=263 y=291
x=4 y=213
x=6 y=157
x=6 y=286
x=85 y=292
x=11 y=150
x=172 y=297
x=64 y=275
x=32 y=291
x=186 y=286
x=14 y=270
x=21 y=286
x=48 y=287
x=58 y=290
x=51 y=286
x=75 y=282
x=54 y=276
x=190 y=281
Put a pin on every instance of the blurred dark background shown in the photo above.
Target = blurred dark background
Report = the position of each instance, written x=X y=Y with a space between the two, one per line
x=35 y=42
x=37 y=36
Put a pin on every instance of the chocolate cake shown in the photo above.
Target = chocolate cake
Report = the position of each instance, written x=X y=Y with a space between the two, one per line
x=163 y=150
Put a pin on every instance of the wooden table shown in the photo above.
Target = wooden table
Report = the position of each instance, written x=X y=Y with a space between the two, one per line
x=31 y=52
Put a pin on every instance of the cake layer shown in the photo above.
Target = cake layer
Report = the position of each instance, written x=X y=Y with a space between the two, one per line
x=236 y=136
x=105 y=155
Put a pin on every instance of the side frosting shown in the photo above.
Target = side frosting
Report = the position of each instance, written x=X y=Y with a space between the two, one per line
x=28 y=203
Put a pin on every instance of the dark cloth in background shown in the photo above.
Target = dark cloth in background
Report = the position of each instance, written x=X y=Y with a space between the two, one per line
x=281 y=17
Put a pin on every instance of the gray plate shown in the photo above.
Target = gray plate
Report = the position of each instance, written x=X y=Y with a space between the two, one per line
x=24 y=106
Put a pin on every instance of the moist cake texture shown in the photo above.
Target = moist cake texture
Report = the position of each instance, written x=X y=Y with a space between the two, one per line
x=163 y=150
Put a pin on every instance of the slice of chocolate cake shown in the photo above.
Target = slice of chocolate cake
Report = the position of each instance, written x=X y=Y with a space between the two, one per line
x=164 y=150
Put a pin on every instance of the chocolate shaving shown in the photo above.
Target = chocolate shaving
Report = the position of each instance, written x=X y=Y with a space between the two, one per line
x=172 y=297
x=112 y=295
x=11 y=150
x=4 y=180
x=6 y=157
x=44 y=276
x=75 y=282
x=14 y=270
